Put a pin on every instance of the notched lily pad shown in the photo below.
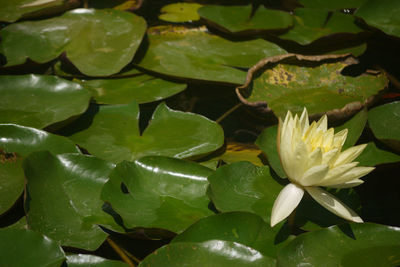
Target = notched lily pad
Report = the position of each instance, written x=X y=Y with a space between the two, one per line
x=194 y=53
x=292 y=82
x=242 y=18
x=90 y=38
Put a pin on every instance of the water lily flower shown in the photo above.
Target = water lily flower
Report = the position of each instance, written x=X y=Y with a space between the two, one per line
x=311 y=157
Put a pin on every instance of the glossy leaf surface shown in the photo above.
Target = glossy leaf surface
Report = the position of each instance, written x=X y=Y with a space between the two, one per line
x=24 y=140
x=114 y=134
x=12 y=180
x=197 y=54
x=13 y=10
x=211 y=253
x=348 y=245
x=91 y=39
x=141 y=88
x=241 y=227
x=158 y=192
x=64 y=198
x=332 y=5
x=28 y=248
x=242 y=18
x=42 y=100
x=241 y=186
x=84 y=260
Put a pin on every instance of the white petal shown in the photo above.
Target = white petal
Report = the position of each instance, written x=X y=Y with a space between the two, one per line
x=340 y=138
x=328 y=138
x=304 y=121
x=333 y=204
x=315 y=158
x=348 y=184
x=339 y=171
x=350 y=154
x=330 y=156
x=352 y=174
x=322 y=124
x=298 y=165
x=314 y=175
x=287 y=200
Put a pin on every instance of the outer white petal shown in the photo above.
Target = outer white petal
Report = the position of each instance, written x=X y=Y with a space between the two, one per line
x=350 y=154
x=333 y=204
x=322 y=124
x=314 y=175
x=330 y=156
x=340 y=138
x=298 y=165
x=287 y=200
x=348 y=184
x=352 y=174
x=339 y=171
x=304 y=121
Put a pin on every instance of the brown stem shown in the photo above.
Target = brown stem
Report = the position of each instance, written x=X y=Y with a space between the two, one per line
x=121 y=252
x=226 y=114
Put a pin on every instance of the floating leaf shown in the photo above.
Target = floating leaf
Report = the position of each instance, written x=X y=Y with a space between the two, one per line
x=241 y=186
x=197 y=54
x=115 y=4
x=64 y=198
x=28 y=248
x=24 y=140
x=313 y=24
x=355 y=127
x=158 y=192
x=373 y=156
x=12 y=180
x=114 y=134
x=332 y=5
x=354 y=244
x=91 y=39
x=180 y=12
x=141 y=88
x=84 y=260
x=210 y=253
x=382 y=14
x=241 y=18
x=320 y=88
x=241 y=227
x=266 y=141
x=384 y=122
x=40 y=100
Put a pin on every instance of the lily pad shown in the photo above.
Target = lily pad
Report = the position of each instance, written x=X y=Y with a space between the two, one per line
x=196 y=54
x=64 y=198
x=382 y=14
x=24 y=140
x=84 y=260
x=28 y=248
x=114 y=134
x=90 y=38
x=384 y=122
x=40 y=100
x=180 y=12
x=158 y=192
x=332 y=5
x=210 y=253
x=241 y=18
x=241 y=186
x=12 y=180
x=13 y=10
x=355 y=127
x=142 y=88
x=313 y=24
x=372 y=156
x=241 y=227
x=347 y=245
x=320 y=88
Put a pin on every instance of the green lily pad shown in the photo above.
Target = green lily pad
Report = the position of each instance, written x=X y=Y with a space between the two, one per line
x=210 y=253
x=372 y=156
x=180 y=12
x=241 y=186
x=84 y=260
x=313 y=24
x=158 y=192
x=12 y=180
x=64 y=198
x=13 y=10
x=332 y=5
x=90 y=38
x=241 y=227
x=114 y=134
x=24 y=140
x=39 y=100
x=28 y=248
x=21 y=224
x=196 y=54
x=366 y=244
x=266 y=141
x=382 y=14
x=355 y=127
x=320 y=88
x=241 y=18
x=384 y=122
x=141 y=88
